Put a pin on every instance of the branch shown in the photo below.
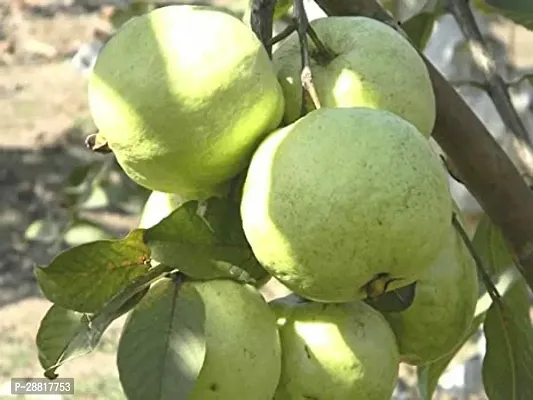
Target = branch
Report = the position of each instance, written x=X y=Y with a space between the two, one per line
x=482 y=165
x=496 y=88
x=262 y=20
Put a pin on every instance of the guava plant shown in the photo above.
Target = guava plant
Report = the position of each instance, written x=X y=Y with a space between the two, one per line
x=307 y=157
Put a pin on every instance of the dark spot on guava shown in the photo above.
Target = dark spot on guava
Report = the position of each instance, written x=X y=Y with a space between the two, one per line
x=307 y=351
x=380 y=222
x=249 y=353
x=309 y=397
x=213 y=387
x=324 y=306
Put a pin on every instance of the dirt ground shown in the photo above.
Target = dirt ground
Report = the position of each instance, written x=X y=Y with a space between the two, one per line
x=43 y=123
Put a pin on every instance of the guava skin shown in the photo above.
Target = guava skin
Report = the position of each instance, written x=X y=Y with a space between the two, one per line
x=443 y=307
x=373 y=66
x=336 y=352
x=181 y=115
x=158 y=206
x=243 y=356
x=342 y=195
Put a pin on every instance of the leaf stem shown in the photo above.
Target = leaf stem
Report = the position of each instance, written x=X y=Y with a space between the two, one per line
x=487 y=281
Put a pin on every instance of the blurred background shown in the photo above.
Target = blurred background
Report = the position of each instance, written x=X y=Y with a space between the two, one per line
x=54 y=193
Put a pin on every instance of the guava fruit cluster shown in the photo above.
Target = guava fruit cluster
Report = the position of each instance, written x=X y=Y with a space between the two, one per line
x=341 y=204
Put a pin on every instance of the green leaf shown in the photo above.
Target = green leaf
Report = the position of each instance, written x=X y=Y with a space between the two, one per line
x=521 y=6
x=56 y=330
x=65 y=334
x=508 y=363
x=162 y=347
x=419 y=29
x=491 y=247
x=507 y=367
x=429 y=375
x=205 y=241
x=518 y=11
x=84 y=278
x=494 y=253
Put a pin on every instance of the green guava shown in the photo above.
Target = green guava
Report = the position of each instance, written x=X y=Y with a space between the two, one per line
x=368 y=64
x=336 y=351
x=443 y=307
x=243 y=356
x=183 y=95
x=342 y=196
x=158 y=206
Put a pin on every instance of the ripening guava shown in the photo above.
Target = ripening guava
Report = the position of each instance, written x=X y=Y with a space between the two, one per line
x=368 y=64
x=158 y=206
x=243 y=353
x=342 y=196
x=336 y=352
x=182 y=95
x=443 y=307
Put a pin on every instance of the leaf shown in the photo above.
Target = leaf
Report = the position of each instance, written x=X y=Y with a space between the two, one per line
x=419 y=28
x=205 y=245
x=491 y=247
x=507 y=367
x=508 y=363
x=84 y=278
x=394 y=301
x=57 y=328
x=518 y=11
x=429 y=375
x=521 y=6
x=65 y=334
x=162 y=347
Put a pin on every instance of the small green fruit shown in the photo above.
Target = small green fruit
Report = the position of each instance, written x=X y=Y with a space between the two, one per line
x=369 y=64
x=336 y=351
x=443 y=307
x=183 y=94
x=344 y=195
x=243 y=356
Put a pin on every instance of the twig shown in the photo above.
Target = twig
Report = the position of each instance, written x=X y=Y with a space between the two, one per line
x=262 y=20
x=481 y=163
x=306 y=77
x=283 y=34
x=324 y=52
x=491 y=289
x=496 y=87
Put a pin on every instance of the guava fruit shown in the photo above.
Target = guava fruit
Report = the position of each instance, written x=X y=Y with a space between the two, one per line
x=443 y=307
x=343 y=196
x=158 y=206
x=183 y=95
x=336 y=351
x=243 y=356
x=368 y=64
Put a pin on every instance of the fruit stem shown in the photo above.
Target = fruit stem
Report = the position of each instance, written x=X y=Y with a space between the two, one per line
x=323 y=54
x=491 y=289
x=96 y=143
x=306 y=76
